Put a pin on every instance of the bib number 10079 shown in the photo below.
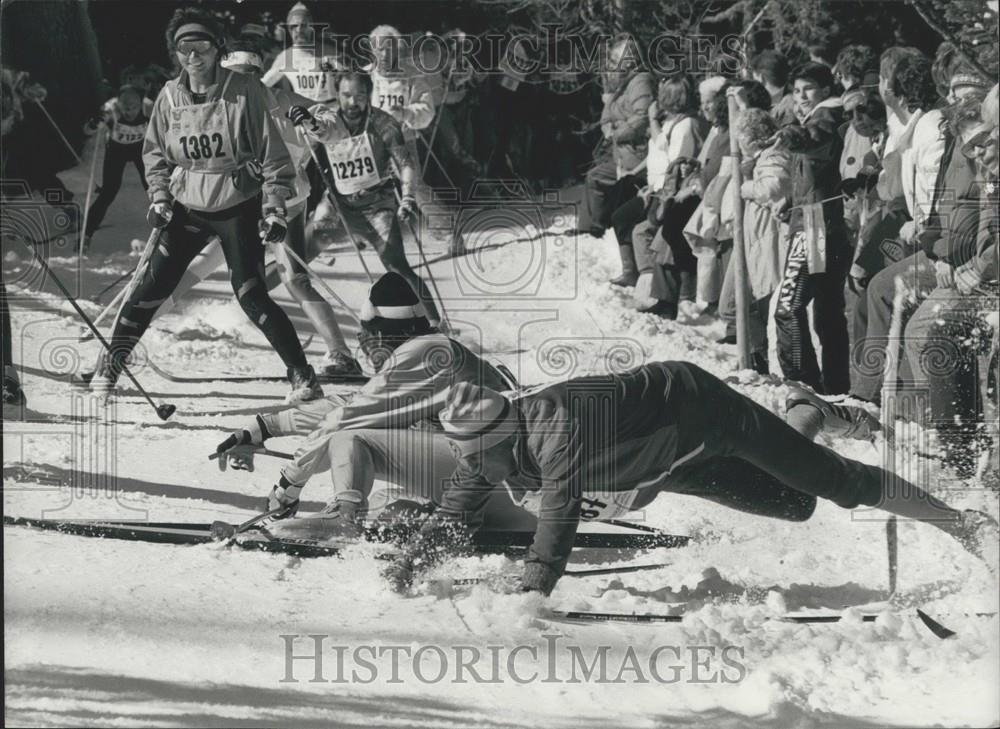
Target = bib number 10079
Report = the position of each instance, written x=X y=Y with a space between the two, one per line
x=203 y=146
x=351 y=168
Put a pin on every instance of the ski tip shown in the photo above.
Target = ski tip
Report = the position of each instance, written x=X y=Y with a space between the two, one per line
x=934 y=626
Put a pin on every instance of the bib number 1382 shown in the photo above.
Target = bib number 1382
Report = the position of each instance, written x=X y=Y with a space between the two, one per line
x=203 y=146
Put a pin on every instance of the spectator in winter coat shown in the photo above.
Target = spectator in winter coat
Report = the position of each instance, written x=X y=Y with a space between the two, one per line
x=949 y=236
x=764 y=193
x=616 y=177
x=675 y=134
x=819 y=253
x=665 y=426
x=958 y=322
x=910 y=160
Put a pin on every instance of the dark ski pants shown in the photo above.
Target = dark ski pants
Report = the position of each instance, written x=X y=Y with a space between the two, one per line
x=373 y=218
x=747 y=444
x=797 y=289
x=603 y=194
x=116 y=157
x=188 y=232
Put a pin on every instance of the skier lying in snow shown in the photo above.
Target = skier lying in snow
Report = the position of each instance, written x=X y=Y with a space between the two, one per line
x=415 y=367
x=632 y=435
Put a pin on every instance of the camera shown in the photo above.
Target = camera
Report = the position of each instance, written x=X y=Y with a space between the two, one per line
x=49 y=226
x=540 y=262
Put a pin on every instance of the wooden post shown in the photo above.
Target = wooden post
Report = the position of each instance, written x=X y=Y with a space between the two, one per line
x=738 y=262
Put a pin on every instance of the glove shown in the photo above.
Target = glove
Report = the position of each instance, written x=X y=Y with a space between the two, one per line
x=274 y=226
x=967 y=279
x=399 y=574
x=538 y=577
x=407 y=208
x=858 y=279
x=237 y=450
x=159 y=214
x=944 y=274
x=299 y=115
x=284 y=494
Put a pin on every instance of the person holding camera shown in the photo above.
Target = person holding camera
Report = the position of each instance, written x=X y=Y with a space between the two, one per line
x=216 y=166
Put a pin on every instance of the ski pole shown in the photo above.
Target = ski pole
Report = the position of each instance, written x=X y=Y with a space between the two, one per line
x=100 y=294
x=87 y=336
x=125 y=293
x=59 y=131
x=331 y=194
x=434 y=129
x=423 y=256
x=90 y=186
x=316 y=277
x=261 y=451
x=165 y=410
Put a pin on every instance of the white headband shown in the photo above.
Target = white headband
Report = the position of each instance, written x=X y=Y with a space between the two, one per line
x=242 y=58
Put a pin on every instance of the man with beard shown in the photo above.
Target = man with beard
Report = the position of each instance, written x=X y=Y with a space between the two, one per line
x=365 y=145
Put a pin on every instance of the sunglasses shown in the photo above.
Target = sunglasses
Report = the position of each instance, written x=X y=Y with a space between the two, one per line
x=198 y=47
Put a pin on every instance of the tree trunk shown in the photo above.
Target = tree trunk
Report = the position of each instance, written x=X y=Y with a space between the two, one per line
x=54 y=41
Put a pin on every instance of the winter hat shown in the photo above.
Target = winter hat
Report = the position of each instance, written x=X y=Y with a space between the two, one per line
x=298 y=9
x=477 y=418
x=392 y=297
x=242 y=53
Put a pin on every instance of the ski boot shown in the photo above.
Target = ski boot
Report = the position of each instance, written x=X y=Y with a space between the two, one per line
x=341 y=520
x=305 y=387
x=808 y=413
x=339 y=364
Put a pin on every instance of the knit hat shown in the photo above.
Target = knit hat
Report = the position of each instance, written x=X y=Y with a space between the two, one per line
x=242 y=53
x=477 y=418
x=297 y=10
x=392 y=297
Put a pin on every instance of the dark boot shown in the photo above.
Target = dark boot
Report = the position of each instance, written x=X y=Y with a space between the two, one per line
x=305 y=386
x=630 y=272
x=662 y=309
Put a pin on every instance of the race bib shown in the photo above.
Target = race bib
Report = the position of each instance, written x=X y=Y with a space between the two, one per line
x=311 y=84
x=592 y=507
x=122 y=133
x=353 y=164
x=199 y=136
x=391 y=95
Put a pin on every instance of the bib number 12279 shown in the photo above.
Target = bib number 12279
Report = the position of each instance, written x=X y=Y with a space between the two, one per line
x=355 y=168
x=203 y=146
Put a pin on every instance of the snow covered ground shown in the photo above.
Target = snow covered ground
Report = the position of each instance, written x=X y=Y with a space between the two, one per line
x=108 y=633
